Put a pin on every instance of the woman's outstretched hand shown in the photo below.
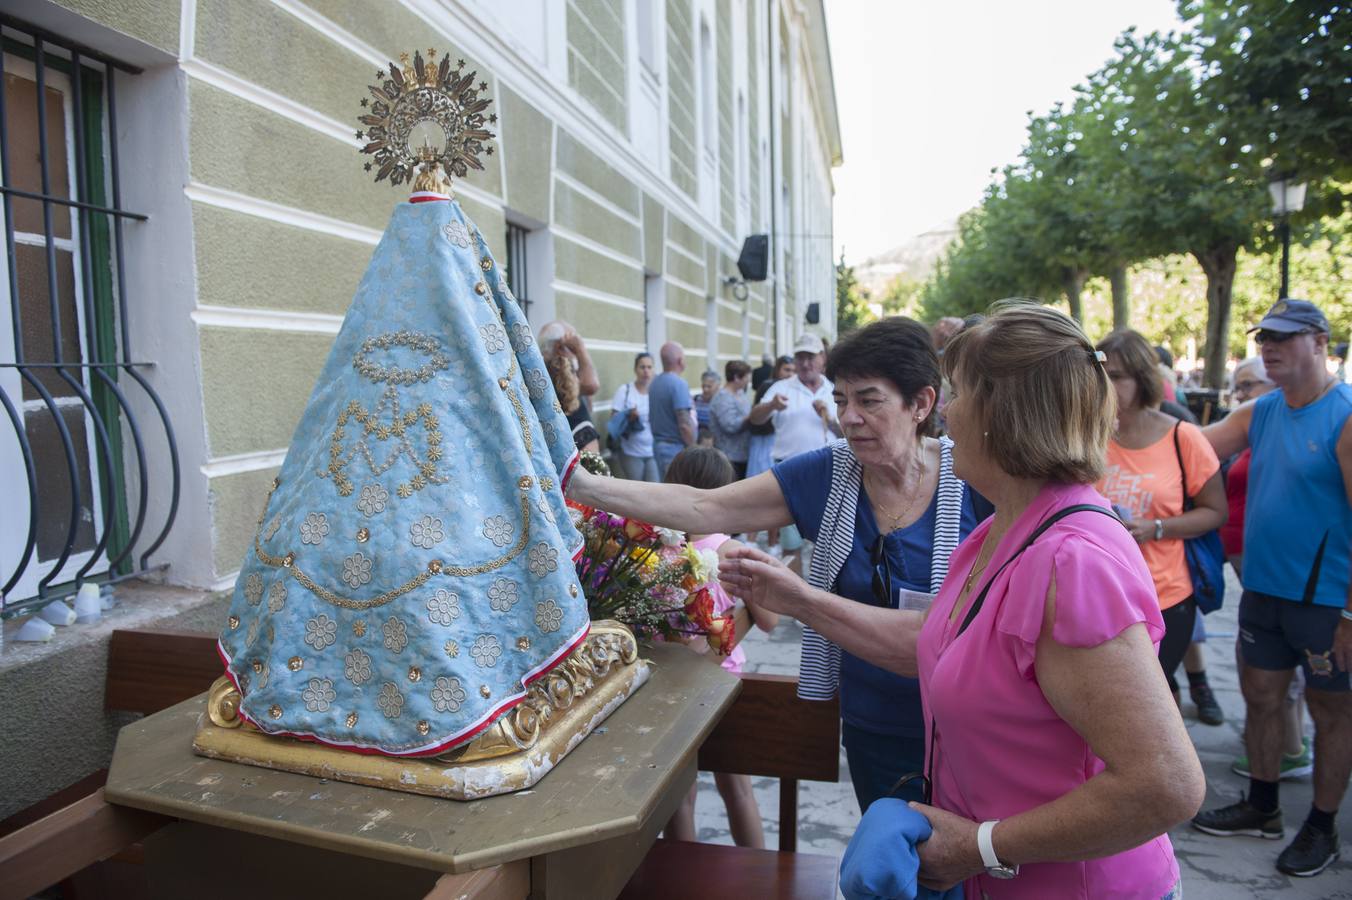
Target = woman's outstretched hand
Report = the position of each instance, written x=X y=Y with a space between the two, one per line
x=761 y=580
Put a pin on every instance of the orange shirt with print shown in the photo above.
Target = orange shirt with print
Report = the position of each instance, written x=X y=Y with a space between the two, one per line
x=1148 y=483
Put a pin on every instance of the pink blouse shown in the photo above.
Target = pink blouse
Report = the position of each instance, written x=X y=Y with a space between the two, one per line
x=1001 y=748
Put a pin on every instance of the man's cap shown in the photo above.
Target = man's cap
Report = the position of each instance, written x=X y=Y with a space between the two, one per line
x=1293 y=315
x=808 y=343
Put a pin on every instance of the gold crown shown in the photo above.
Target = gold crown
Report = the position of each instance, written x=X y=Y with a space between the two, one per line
x=426 y=116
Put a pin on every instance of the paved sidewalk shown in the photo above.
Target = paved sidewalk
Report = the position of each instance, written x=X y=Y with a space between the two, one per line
x=1213 y=868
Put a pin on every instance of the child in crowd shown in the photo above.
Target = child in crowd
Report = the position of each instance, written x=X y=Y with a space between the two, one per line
x=708 y=468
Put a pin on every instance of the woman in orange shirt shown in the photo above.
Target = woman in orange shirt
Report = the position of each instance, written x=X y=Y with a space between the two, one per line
x=1151 y=457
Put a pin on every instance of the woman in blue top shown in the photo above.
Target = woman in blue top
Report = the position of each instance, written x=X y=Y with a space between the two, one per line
x=884 y=510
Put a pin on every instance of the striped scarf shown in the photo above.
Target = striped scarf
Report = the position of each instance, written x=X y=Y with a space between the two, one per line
x=819 y=660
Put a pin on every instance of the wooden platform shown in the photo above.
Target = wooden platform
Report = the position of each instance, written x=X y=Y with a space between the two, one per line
x=583 y=828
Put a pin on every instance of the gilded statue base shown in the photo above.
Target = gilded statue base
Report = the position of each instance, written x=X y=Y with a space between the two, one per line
x=517 y=751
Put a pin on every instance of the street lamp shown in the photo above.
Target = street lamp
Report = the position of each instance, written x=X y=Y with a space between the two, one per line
x=1288 y=196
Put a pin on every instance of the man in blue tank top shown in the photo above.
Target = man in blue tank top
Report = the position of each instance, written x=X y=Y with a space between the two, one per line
x=1297 y=604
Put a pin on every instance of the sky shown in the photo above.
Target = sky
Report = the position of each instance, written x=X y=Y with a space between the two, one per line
x=932 y=95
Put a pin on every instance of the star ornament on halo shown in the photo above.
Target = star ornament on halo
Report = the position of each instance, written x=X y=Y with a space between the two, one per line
x=426 y=116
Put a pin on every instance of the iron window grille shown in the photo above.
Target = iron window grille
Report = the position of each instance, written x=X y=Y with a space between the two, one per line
x=517 y=272
x=66 y=357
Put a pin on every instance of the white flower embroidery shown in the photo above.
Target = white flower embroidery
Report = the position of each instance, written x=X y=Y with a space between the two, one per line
x=521 y=337
x=390 y=701
x=396 y=634
x=447 y=694
x=542 y=559
x=321 y=631
x=357 y=570
x=551 y=436
x=498 y=530
x=542 y=504
x=456 y=234
x=373 y=499
x=318 y=694
x=277 y=597
x=426 y=532
x=494 y=338
x=253 y=589
x=263 y=676
x=357 y=667
x=251 y=634
x=443 y=607
x=503 y=594
x=272 y=527
x=314 y=529
x=536 y=383
x=486 y=650
x=548 y=616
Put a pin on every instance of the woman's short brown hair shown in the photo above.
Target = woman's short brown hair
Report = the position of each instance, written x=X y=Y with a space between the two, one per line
x=1037 y=389
x=736 y=369
x=1139 y=360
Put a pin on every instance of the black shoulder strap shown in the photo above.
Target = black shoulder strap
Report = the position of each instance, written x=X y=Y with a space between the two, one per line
x=1182 y=471
x=1048 y=523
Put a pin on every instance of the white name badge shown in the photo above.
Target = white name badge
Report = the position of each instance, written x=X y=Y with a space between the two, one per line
x=908 y=599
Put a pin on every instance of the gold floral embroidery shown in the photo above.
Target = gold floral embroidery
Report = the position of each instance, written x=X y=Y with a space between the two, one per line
x=359 y=628
x=352 y=720
x=422 y=343
x=452 y=649
x=388 y=422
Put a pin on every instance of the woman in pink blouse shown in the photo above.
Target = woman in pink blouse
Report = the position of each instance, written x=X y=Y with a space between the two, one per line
x=1057 y=757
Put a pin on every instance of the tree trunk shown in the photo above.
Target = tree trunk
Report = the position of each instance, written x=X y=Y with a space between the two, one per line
x=1218 y=263
x=1073 y=283
x=1121 y=297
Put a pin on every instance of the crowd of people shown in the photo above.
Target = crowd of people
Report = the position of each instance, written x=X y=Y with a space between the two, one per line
x=1004 y=576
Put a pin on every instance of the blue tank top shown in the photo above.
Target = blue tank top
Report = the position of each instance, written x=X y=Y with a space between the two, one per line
x=1297 y=520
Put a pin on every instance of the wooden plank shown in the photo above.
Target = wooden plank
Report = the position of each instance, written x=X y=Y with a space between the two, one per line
x=600 y=871
x=788 y=814
x=53 y=802
x=509 y=881
x=606 y=787
x=676 y=870
x=152 y=670
x=769 y=731
x=63 y=843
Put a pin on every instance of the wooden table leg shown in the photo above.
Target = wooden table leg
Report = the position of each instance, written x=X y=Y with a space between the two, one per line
x=600 y=871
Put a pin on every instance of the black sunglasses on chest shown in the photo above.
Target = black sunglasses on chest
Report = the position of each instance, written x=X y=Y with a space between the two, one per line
x=882 y=572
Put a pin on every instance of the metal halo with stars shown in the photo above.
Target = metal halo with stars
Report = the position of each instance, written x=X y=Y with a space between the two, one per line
x=426 y=100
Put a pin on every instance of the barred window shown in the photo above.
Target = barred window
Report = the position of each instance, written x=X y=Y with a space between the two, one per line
x=66 y=370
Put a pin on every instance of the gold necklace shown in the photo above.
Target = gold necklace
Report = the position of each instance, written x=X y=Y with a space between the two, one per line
x=894 y=520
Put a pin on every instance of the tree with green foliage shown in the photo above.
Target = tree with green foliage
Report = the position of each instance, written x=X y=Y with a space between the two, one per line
x=902 y=297
x=1278 y=71
x=1203 y=192
x=851 y=300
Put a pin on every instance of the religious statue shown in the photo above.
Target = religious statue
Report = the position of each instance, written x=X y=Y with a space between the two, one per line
x=408 y=613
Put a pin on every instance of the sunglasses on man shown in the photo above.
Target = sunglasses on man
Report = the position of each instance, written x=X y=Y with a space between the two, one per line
x=1278 y=337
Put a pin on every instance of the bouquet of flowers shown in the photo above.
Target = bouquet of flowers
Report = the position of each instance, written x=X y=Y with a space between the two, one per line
x=650 y=579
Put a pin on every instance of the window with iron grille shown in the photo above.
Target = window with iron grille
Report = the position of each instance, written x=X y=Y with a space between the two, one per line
x=72 y=451
x=518 y=273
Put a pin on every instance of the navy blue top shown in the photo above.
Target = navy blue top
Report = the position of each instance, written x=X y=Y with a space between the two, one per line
x=871 y=698
x=667 y=394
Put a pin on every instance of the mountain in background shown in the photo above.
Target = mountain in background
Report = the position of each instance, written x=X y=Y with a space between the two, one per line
x=914 y=260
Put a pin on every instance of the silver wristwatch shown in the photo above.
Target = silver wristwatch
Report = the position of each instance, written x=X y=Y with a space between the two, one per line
x=994 y=868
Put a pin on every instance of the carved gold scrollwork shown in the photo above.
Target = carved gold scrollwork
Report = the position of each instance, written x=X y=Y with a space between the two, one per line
x=223 y=703
x=608 y=647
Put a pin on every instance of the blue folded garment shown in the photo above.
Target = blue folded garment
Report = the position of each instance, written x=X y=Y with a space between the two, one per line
x=881 y=862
